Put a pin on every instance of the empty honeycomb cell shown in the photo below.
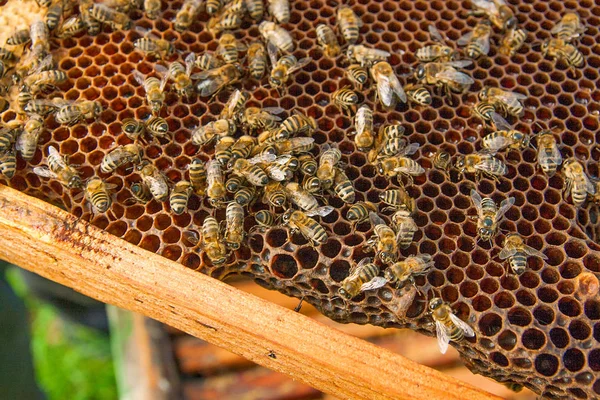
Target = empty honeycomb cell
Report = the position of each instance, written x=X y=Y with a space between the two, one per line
x=579 y=330
x=546 y=364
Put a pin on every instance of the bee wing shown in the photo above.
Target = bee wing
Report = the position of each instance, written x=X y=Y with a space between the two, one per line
x=465 y=39
x=47 y=62
x=410 y=149
x=557 y=28
x=589 y=185
x=139 y=77
x=376 y=219
x=300 y=64
x=459 y=63
x=190 y=61
x=504 y=207
x=272 y=51
x=192 y=237
x=489 y=6
x=373 y=284
x=435 y=34
x=320 y=211
x=500 y=123
x=147 y=33
x=397 y=88
x=274 y=110
x=455 y=76
x=277 y=174
x=282 y=160
x=556 y=154
x=44 y=172
x=443 y=339
x=533 y=252
x=384 y=90
x=507 y=251
x=469 y=332
x=511 y=98
x=476 y=198
x=260 y=158
x=484 y=43
x=210 y=86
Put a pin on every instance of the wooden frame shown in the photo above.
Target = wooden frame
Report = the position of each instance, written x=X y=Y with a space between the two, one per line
x=58 y=246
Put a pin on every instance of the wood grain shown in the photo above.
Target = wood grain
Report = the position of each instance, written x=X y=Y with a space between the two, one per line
x=54 y=244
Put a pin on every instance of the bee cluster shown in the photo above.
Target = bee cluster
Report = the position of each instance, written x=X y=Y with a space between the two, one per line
x=331 y=152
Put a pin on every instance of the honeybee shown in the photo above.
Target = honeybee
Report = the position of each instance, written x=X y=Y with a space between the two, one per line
x=560 y=49
x=298 y=123
x=70 y=27
x=179 y=197
x=54 y=14
x=278 y=168
x=388 y=85
x=505 y=137
x=213 y=6
x=40 y=39
x=363 y=121
x=223 y=149
x=186 y=15
x=97 y=193
x=359 y=212
x=207 y=61
x=59 y=169
x=215 y=187
x=152 y=44
x=197 y=172
x=445 y=76
x=383 y=240
x=92 y=25
x=405 y=227
x=253 y=173
x=435 y=52
x=327 y=39
x=214 y=80
x=481 y=163
x=517 y=253
x=245 y=195
x=548 y=153
x=211 y=131
x=277 y=36
x=477 y=40
x=399 y=165
x=342 y=187
x=41 y=78
x=348 y=24
x=311 y=184
x=7 y=55
x=234 y=105
x=307 y=164
x=155 y=180
x=404 y=271
x=283 y=67
x=212 y=242
x=226 y=20
x=485 y=111
x=74 y=112
x=448 y=327
x=296 y=145
x=569 y=27
x=8 y=135
x=261 y=118
x=442 y=161
x=498 y=11
x=507 y=103
x=389 y=142
x=152 y=8
x=361 y=277
x=327 y=166
x=234 y=228
x=366 y=56
x=117 y=20
x=121 y=155
x=300 y=197
x=280 y=9
x=229 y=48
x=256 y=9
x=257 y=60
x=8 y=163
x=358 y=75
x=264 y=219
x=489 y=215
x=181 y=76
x=157 y=127
x=234 y=183
x=42 y=107
x=512 y=41
x=346 y=99
x=155 y=95
x=578 y=184
x=140 y=192
x=27 y=141
x=19 y=37
x=308 y=227
x=241 y=149
x=418 y=94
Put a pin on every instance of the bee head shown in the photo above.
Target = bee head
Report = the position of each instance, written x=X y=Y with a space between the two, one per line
x=483 y=95
x=286 y=216
x=344 y=293
x=510 y=23
x=420 y=72
x=435 y=303
x=544 y=47
x=275 y=81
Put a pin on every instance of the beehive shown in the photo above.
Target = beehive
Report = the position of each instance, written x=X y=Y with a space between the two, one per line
x=537 y=330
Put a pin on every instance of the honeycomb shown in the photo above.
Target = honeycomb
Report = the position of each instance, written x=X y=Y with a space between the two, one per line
x=539 y=329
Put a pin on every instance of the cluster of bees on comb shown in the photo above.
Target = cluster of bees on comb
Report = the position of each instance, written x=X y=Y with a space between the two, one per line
x=258 y=155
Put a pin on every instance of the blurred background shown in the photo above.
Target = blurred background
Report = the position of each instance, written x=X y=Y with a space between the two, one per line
x=70 y=346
